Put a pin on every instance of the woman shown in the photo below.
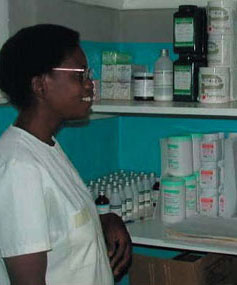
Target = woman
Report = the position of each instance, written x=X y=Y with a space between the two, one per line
x=50 y=232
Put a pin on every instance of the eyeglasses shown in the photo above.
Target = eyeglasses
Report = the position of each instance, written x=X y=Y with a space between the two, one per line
x=83 y=73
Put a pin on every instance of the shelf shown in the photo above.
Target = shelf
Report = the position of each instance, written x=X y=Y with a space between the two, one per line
x=139 y=4
x=165 y=108
x=152 y=233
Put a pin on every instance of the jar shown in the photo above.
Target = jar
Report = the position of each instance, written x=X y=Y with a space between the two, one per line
x=186 y=70
x=190 y=30
x=221 y=17
x=179 y=156
x=172 y=199
x=214 y=84
x=221 y=50
x=143 y=86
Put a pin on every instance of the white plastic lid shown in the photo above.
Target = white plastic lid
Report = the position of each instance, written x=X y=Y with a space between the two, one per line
x=210 y=137
x=222 y=3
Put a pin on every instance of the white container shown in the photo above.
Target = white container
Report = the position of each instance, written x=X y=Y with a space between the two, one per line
x=172 y=199
x=163 y=77
x=180 y=156
x=221 y=17
x=221 y=50
x=210 y=148
x=190 y=195
x=209 y=175
x=214 y=85
x=143 y=85
x=196 y=140
x=209 y=203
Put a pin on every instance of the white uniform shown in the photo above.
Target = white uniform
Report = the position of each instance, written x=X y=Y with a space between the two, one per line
x=44 y=206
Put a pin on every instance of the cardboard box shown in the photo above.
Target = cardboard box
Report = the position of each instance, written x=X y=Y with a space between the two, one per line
x=185 y=269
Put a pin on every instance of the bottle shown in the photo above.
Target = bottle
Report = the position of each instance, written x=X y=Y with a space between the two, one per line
x=141 y=200
x=147 y=196
x=102 y=203
x=135 y=199
x=129 y=201
x=163 y=77
x=115 y=202
x=190 y=30
x=123 y=199
x=186 y=70
x=155 y=185
x=143 y=86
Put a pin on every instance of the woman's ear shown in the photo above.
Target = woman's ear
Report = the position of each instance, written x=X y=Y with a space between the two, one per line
x=38 y=85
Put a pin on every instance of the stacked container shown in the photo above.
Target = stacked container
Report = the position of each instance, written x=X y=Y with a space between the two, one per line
x=190 y=42
x=218 y=81
x=116 y=75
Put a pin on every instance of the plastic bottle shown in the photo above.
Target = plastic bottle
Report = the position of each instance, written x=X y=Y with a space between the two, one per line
x=115 y=202
x=129 y=201
x=102 y=203
x=147 y=196
x=123 y=199
x=186 y=70
x=190 y=30
x=155 y=185
x=135 y=199
x=141 y=199
x=163 y=77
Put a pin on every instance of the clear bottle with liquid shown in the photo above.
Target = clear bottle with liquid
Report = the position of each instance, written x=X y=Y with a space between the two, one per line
x=129 y=201
x=163 y=77
x=115 y=202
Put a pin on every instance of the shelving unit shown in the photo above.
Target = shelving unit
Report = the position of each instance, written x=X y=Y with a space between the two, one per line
x=165 y=108
x=152 y=233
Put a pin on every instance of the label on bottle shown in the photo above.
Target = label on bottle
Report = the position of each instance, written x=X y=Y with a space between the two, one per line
x=117 y=209
x=184 y=32
x=182 y=79
x=163 y=78
x=103 y=209
x=172 y=206
x=143 y=88
x=129 y=204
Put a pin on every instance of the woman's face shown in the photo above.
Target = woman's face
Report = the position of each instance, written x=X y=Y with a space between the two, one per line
x=69 y=96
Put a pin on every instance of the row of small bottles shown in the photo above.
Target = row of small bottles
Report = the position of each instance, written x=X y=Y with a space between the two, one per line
x=130 y=195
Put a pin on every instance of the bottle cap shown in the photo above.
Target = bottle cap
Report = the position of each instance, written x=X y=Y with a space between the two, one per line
x=164 y=52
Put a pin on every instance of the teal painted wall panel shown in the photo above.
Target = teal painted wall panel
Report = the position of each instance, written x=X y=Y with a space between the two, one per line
x=92 y=147
x=139 y=137
x=142 y=53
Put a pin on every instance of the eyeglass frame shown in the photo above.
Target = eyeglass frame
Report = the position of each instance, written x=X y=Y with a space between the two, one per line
x=85 y=72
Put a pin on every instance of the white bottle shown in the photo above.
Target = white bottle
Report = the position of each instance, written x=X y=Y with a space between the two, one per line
x=129 y=201
x=147 y=196
x=123 y=199
x=141 y=199
x=115 y=202
x=163 y=77
x=135 y=199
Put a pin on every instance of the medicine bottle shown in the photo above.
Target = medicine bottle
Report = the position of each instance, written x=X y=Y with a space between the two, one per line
x=172 y=199
x=190 y=29
x=186 y=70
x=143 y=86
x=163 y=77
x=102 y=203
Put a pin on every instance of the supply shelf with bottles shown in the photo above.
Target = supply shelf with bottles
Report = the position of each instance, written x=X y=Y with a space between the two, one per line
x=153 y=232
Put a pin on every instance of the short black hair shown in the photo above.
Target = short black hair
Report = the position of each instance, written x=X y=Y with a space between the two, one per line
x=33 y=51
